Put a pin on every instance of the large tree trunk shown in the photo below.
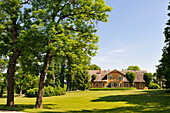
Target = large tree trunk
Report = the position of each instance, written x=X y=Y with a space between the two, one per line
x=2 y=90
x=42 y=80
x=11 y=72
x=20 y=93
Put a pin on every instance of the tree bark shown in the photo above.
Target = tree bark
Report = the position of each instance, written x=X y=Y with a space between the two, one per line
x=20 y=93
x=11 y=72
x=42 y=80
x=2 y=91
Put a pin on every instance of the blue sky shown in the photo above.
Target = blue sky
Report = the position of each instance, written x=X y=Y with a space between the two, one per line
x=133 y=35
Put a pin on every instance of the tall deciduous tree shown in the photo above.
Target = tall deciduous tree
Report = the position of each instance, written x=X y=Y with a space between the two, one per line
x=164 y=67
x=68 y=24
x=133 y=68
x=131 y=76
x=148 y=78
x=14 y=22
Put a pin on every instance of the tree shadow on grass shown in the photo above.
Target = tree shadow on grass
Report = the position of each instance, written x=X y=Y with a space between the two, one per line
x=150 y=101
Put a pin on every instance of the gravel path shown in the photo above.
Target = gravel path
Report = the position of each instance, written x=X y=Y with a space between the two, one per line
x=4 y=111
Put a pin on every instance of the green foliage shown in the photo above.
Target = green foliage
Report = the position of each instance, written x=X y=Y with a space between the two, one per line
x=131 y=76
x=153 y=86
x=94 y=67
x=82 y=79
x=60 y=91
x=133 y=68
x=48 y=91
x=148 y=77
x=109 y=89
x=164 y=67
x=32 y=92
x=93 y=77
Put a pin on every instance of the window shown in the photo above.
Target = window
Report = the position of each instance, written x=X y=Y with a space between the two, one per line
x=97 y=84
x=140 y=85
x=127 y=84
x=120 y=77
x=120 y=85
x=110 y=76
x=103 y=84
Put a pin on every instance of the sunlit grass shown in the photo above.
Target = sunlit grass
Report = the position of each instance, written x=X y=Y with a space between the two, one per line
x=136 y=101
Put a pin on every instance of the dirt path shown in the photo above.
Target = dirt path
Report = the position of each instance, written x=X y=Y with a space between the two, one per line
x=4 y=111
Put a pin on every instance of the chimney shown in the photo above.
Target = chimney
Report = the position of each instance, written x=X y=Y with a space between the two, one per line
x=109 y=70
x=99 y=71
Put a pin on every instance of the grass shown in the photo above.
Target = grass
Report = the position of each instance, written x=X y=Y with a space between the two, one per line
x=118 y=101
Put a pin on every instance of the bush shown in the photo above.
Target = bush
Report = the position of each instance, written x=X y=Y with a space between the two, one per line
x=48 y=91
x=32 y=92
x=60 y=91
x=108 y=89
x=153 y=86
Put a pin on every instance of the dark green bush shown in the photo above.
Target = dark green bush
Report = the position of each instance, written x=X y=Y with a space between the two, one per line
x=153 y=86
x=32 y=92
x=108 y=89
x=60 y=91
x=48 y=91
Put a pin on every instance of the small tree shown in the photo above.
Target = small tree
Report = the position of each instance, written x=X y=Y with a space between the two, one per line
x=148 y=78
x=133 y=68
x=93 y=78
x=131 y=76
x=82 y=80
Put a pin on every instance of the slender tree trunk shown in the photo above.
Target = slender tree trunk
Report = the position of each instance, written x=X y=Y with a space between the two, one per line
x=20 y=93
x=11 y=72
x=42 y=80
x=12 y=63
x=2 y=90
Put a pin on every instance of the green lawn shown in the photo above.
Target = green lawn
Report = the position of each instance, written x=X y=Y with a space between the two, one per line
x=128 y=101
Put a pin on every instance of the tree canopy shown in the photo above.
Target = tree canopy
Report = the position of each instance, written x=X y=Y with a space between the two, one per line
x=133 y=68
x=148 y=78
x=131 y=76
x=61 y=29
x=164 y=67
x=94 y=67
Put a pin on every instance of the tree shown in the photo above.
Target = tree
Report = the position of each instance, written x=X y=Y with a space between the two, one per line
x=94 y=67
x=3 y=75
x=164 y=67
x=131 y=76
x=82 y=79
x=148 y=78
x=67 y=24
x=93 y=78
x=15 y=21
x=133 y=68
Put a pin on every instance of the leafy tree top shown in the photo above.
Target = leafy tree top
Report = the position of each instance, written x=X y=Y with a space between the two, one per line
x=94 y=67
x=133 y=68
x=131 y=76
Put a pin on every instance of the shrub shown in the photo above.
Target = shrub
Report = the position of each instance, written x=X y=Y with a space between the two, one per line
x=32 y=92
x=60 y=91
x=153 y=86
x=108 y=89
x=48 y=91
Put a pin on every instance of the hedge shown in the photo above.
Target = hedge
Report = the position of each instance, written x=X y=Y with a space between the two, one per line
x=108 y=89
x=48 y=91
x=154 y=86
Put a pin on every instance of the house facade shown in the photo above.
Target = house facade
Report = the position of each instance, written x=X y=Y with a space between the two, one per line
x=115 y=78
